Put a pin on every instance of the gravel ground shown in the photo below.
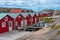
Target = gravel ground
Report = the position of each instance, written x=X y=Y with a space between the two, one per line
x=38 y=35
x=13 y=35
x=44 y=34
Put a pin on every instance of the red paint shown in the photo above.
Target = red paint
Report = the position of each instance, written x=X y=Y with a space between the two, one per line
x=45 y=15
x=6 y=28
x=34 y=17
x=28 y=18
x=19 y=19
x=39 y=15
x=50 y=14
x=37 y=19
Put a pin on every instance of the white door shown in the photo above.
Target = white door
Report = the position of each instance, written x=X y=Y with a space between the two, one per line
x=24 y=23
x=10 y=25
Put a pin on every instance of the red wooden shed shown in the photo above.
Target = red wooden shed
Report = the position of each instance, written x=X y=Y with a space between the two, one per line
x=45 y=14
x=19 y=20
x=6 y=23
x=15 y=17
x=34 y=18
x=29 y=20
x=37 y=19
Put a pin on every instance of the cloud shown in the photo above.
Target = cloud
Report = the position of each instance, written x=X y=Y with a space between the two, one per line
x=31 y=4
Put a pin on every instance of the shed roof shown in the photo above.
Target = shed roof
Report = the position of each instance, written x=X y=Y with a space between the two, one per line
x=2 y=15
x=24 y=14
x=37 y=14
x=57 y=12
x=31 y=14
x=13 y=15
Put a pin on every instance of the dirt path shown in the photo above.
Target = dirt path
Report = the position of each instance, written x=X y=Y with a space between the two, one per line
x=37 y=35
x=43 y=34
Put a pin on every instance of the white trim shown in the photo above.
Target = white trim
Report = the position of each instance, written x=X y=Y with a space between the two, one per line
x=24 y=22
x=3 y=24
x=35 y=19
x=10 y=25
x=6 y=18
x=16 y=23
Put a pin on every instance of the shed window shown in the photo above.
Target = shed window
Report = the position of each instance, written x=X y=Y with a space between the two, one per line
x=3 y=24
x=6 y=18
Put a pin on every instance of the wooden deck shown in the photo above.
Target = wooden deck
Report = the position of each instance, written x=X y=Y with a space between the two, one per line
x=31 y=28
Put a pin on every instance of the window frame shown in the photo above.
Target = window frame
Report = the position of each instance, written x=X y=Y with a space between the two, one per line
x=3 y=24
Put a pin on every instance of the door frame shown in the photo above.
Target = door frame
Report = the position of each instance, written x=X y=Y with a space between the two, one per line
x=10 y=25
x=24 y=22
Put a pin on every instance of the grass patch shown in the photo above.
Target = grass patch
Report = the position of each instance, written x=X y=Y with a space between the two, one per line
x=53 y=38
x=58 y=32
x=57 y=27
x=53 y=26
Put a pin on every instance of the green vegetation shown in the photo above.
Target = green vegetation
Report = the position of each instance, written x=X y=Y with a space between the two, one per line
x=57 y=14
x=46 y=19
x=58 y=32
x=53 y=26
x=51 y=20
x=53 y=38
x=56 y=27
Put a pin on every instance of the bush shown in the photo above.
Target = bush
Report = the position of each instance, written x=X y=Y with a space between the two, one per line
x=57 y=27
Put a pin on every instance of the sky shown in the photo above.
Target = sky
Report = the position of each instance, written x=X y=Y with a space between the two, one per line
x=36 y=5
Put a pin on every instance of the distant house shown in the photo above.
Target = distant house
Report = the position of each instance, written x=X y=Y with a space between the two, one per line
x=46 y=12
x=57 y=12
x=30 y=11
x=4 y=10
x=16 y=10
x=6 y=23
